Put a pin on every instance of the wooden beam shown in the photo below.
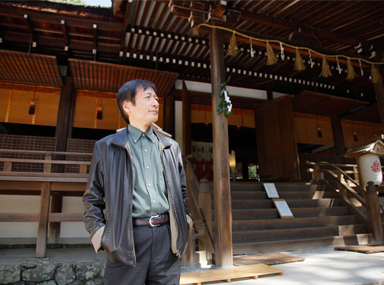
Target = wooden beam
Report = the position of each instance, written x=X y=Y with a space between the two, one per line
x=19 y=217
x=290 y=26
x=50 y=18
x=187 y=125
x=222 y=191
x=42 y=233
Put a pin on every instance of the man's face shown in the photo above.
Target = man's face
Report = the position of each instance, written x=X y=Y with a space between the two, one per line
x=146 y=108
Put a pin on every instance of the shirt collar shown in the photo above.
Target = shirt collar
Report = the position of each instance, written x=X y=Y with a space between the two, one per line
x=136 y=134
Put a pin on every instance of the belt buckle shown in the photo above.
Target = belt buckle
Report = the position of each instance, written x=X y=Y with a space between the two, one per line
x=150 y=221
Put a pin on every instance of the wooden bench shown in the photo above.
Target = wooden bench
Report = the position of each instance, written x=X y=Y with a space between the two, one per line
x=46 y=184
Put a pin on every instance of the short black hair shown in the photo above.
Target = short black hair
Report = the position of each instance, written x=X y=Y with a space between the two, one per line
x=128 y=92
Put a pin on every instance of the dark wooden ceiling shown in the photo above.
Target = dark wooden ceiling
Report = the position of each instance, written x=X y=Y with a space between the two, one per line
x=157 y=35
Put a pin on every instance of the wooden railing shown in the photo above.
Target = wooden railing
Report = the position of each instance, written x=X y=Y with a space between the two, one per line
x=45 y=183
x=200 y=203
x=348 y=187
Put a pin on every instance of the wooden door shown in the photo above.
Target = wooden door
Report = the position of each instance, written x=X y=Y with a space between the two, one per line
x=276 y=141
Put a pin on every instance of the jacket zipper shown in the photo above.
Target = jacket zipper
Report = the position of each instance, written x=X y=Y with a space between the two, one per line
x=133 y=241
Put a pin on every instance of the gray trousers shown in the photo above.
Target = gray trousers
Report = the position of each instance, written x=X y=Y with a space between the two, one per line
x=155 y=262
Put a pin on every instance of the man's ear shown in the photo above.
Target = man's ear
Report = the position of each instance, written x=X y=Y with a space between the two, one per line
x=127 y=106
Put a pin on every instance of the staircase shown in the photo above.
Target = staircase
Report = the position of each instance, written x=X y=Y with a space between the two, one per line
x=319 y=220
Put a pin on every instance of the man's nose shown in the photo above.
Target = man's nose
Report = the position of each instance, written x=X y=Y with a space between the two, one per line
x=155 y=102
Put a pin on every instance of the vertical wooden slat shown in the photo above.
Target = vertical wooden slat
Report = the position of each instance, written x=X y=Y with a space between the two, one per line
x=187 y=125
x=41 y=245
x=169 y=114
x=222 y=191
x=338 y=135
x=379 y=90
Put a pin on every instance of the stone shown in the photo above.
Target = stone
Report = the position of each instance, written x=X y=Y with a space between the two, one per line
x=86 y=271
x=41 y=273
x=9 y=274
x=77 y=282
x=50 y=282
x=65 y=274
x=97 y=281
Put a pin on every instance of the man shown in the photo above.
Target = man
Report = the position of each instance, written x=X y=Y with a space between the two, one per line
x=136 y=205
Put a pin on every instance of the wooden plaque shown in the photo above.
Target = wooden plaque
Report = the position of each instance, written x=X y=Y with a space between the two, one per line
x=271 y=190
x=283 y=208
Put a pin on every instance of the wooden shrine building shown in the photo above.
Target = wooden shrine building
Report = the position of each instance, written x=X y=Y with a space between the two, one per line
x=304 y=79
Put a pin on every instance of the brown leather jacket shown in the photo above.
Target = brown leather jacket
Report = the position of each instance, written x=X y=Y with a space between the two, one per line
x=108 y=197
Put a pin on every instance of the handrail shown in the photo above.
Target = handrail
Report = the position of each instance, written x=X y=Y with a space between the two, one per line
x=351 y=190
x=372 y=218
x=2 y=150
x=360 y=213
x=360 y=189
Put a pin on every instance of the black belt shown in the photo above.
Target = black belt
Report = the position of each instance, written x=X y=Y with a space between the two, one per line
x=154 y=221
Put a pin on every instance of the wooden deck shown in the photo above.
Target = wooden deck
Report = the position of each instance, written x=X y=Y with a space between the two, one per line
x=268 y=259
x=373 y=248
x=229 y=274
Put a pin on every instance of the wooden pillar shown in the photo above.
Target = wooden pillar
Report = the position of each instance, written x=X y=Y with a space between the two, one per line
x=187 y=125
x=222 y=191
x=65 y=114
x=338 y=135
x=373 y=213
x=269 y=94
x=42 y=233
x=63 y=132
x=379 y=90
x=169 y=114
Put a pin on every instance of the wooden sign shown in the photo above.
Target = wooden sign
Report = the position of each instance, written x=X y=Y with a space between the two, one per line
x=271 y=190
x=283 y=208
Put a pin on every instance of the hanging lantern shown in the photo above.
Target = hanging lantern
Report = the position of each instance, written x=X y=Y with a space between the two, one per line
x=355 y=138
x=319 y=134
x=99 y=113
x=32 y=107
x=32 y=104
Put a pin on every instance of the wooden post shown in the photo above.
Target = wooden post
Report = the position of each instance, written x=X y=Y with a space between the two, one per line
x=169 y=114
x=48 y=166
x=316 y=173
x=65 y=115
x=222 y=191
x=373 y=213
x=187 y=145
x=379 y=90
x=188 y=256
x=63 y=132
x=205 y=203
x=338 y=135
x=42 y=233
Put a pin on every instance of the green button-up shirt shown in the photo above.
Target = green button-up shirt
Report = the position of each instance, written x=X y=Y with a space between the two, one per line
x=149 y=189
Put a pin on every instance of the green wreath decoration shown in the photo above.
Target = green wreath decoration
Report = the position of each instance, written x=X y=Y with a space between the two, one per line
x=224 y=105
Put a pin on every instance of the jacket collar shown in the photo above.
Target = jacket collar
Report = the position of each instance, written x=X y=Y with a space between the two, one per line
x=121 y=138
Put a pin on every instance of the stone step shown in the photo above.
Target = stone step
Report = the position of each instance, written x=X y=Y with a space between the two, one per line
x=267 y=224
x=280 y=186
x=295 y=244
x=297 y=233
x=292 y=203
x=260 y=214
x=246 y=195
